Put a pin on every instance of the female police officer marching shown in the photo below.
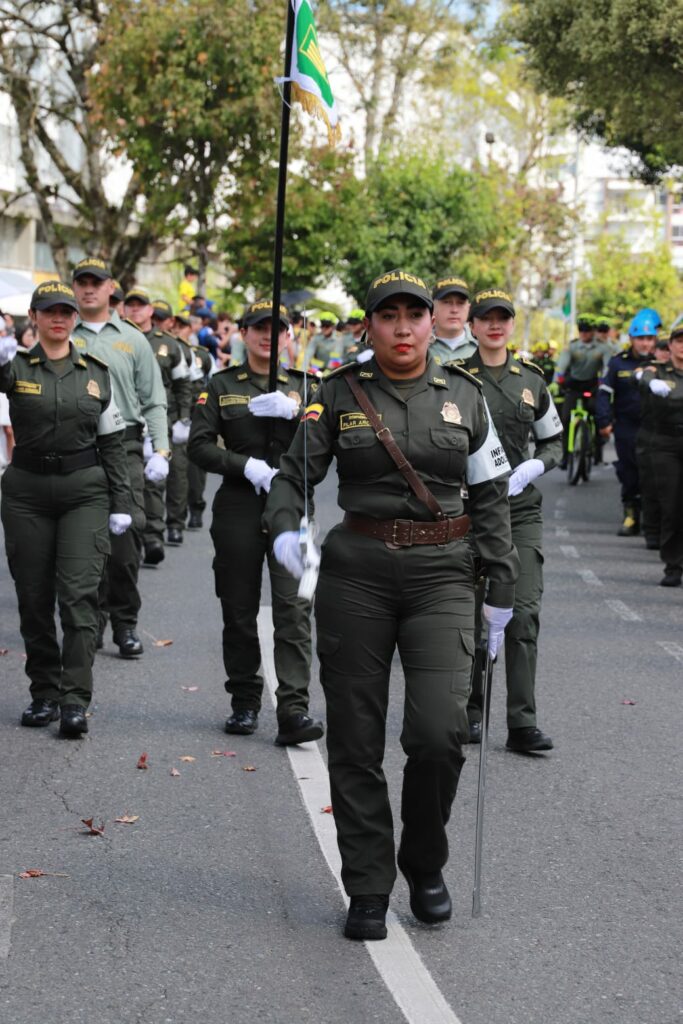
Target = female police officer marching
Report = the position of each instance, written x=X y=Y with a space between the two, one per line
x=397 y=573
x=256 y=427
x=66 y=488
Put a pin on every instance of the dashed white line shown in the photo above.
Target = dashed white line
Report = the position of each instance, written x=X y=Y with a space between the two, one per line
x=588 y=576
x=559 y=513
x=675 y=650
x=6 y=911
x=569 y=551
x=397 y=961
x=561 y=531
x=622 y=610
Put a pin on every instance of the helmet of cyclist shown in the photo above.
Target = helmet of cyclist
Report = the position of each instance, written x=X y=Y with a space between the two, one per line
x=585 y=322
x=645 y=323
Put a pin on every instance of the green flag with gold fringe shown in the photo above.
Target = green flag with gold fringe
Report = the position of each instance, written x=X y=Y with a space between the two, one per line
x=308 y=74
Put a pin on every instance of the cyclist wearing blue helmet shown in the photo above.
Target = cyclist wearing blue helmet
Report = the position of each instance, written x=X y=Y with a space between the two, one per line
x=618 y=409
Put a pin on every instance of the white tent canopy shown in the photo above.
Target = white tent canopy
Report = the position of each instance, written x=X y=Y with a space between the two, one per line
x=15 y=292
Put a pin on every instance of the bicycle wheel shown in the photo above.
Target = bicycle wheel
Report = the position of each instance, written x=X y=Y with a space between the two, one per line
x=590 y=459
x=573 y=456
x=582 y=451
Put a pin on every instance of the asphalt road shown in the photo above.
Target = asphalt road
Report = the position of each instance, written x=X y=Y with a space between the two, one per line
x=217 y=905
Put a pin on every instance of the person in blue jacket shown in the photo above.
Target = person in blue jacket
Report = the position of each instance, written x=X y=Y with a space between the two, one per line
x=618 y=411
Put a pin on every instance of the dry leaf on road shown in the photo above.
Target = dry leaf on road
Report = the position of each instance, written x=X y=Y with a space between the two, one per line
x=188 y=758
x=127 y=819
x=37 y=873
x=628 y=702
x=174 y=772
x=189 y=689
x=142 y=761
x=326 y=810
x=91 y=829
x=248 y=768
x=223 y=753
x=163 y=643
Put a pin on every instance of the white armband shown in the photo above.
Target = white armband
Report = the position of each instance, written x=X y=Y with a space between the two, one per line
x=111 y=419
x=181 y=371
x=489 y=461
x=549 y=425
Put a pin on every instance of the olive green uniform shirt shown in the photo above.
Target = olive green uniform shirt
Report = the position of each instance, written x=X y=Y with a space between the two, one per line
x=441 y=425
x=68 y=409
x=222 y=410
x=175 y=373
x=663 y=415
x=442 y=352
x=584 y=362
x=136 y=377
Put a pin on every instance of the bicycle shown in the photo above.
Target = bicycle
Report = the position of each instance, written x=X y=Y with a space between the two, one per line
x=581 y=441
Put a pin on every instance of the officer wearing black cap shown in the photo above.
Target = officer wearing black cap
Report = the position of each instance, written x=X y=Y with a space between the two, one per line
x=142 y=400
x=256 y=428
x=66 y=489
x=203 y=368
x=397 y=573
x=116 y=298
x=175 y=375
x=452 y=336
x=522 y=410
x=662 y=387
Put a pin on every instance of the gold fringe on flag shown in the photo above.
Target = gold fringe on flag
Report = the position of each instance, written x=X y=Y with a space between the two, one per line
x=316 y=108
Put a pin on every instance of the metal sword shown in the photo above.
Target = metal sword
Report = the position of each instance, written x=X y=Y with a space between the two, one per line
x=479 y=834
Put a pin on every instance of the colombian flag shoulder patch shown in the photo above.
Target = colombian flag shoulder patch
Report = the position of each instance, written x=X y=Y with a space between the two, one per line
x=313 y=412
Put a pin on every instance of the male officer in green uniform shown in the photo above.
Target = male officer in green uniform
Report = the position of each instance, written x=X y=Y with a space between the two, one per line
x=66 y=488
x=142 y=401
x=177 y=483
x=521 y=407
x=203 y=368
x=256 y=428
x=579 y=369
x=662 y=430
x=324 y=348
x=452 y=336
x=176 y=378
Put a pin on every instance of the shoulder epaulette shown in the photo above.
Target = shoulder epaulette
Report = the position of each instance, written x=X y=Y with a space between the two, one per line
x=532 y=366
x=226 y=369
x=130 y=323
x=342 y=369
x=455 y=368
x=95 y=359
x=23 y=352
x=182 y=341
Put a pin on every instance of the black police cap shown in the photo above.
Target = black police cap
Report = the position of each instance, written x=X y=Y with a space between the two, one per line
x=91 y=265
x=396 y=282
x=53 y=293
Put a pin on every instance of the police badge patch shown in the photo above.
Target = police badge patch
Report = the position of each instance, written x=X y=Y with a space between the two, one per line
x=450 y=413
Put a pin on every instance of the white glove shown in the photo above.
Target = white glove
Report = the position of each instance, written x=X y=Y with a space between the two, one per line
x=659 y=387
x=147 y=448
x=8 y=349
x=180 y=432
x=259 y=473
x=119 y=523
x=156 y=469
x=276 y=404
x=287 y=550
x=523 y=475
x=496 y=619
x=364 y=355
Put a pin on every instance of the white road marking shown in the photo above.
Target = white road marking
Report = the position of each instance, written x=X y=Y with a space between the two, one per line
x=622 y=610
x=396 y=959
x=561 y=531
x=559 y=513
x=675 y=650
x=569 y=551
x=6 y=911
x=588 y=576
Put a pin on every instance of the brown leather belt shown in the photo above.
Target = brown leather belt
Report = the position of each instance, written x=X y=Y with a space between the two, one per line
x=403 y=533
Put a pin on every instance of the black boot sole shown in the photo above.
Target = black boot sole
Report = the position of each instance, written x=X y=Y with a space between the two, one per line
x=290 y=739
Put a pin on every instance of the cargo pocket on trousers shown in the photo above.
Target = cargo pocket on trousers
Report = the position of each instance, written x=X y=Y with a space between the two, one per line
x=462 y=670
x=103 y=542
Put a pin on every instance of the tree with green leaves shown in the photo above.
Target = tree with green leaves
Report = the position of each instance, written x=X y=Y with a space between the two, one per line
x=46 y=54
x=186 y=89
x=618 y=282
x=619 y=64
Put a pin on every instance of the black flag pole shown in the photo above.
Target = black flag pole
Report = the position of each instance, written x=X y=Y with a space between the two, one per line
x=281 y=196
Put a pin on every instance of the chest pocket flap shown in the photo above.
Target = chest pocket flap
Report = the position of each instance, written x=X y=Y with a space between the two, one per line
x=452 y=438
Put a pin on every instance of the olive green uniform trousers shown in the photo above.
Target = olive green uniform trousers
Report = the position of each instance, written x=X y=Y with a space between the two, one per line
x=241 y=548
x=57 y=541
x=176 y=488
x=521 y=634
x=119 y=594
x=370 y=601
x=155 y=511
